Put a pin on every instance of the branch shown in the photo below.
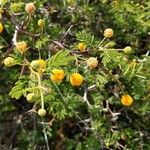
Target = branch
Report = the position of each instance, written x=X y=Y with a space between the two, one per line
x=14 y=40
x=67 y=31
x=92 y=88
x=85 y=96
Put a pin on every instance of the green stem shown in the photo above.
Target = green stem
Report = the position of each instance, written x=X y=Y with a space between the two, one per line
x=39 y=53
x=41 y=92
x=45 y=136
x=101 y=42
x=59 y=92
x=3 y=40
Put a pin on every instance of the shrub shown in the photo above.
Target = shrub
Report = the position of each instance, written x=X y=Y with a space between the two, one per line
x=73 y=70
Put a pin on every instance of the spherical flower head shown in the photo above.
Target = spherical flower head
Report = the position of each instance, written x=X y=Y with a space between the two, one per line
x=21 y=47
x=1 y=28
x=30 y=8
x=57 y=75
x=30 y=97
x=41 y=112
x=108 y=33
x=41 y=23
x=38 y=65
x=76 y=79
x=127 y=50
x=126 y=100
x=15 y=7
x=81 y=47
x=92 y=62
x=9 y=61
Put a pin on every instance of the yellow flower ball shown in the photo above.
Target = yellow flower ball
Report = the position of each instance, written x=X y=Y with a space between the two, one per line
x=108 y=33
x=41 y=112
x=38 y=65
x=21 y=46
x=9 y=61
x=127 y=50
x=30 y=8
x=81 y=47
x=30 y=97
x=41 y=23
x=57 y=75
x=92 y=62
x=76 y=79
x=1 y=28
x=126 y=100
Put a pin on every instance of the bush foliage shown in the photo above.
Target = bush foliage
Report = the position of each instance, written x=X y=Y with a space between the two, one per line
x=74 y=74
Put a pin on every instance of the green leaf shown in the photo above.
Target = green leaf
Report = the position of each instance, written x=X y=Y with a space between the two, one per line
x=101 y=79
x=110 y=55
x=62 y=58
x=85 y=37
x=19 y=88
x=41 y=42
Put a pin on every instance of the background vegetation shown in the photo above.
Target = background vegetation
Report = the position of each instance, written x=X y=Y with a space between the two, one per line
x=90 y=116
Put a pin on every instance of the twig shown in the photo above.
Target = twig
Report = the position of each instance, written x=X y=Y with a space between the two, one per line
x=91 y=88
x=85 y=96
x=67 y=31
x=14 y=40
x=59 y=44
x=29 y=34
x=8 y=51
x=48 y=123
x=114 y=115
x=45 y=136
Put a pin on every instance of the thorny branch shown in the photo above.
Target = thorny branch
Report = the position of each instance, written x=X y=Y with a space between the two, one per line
x=85 y=96
x=14 y=40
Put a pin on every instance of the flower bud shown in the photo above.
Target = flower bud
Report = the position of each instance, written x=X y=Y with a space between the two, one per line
x=9 y=61
x=30 y=97
x=41 y=23
x=127 y=50
x=108 y=33
x=41 y=112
